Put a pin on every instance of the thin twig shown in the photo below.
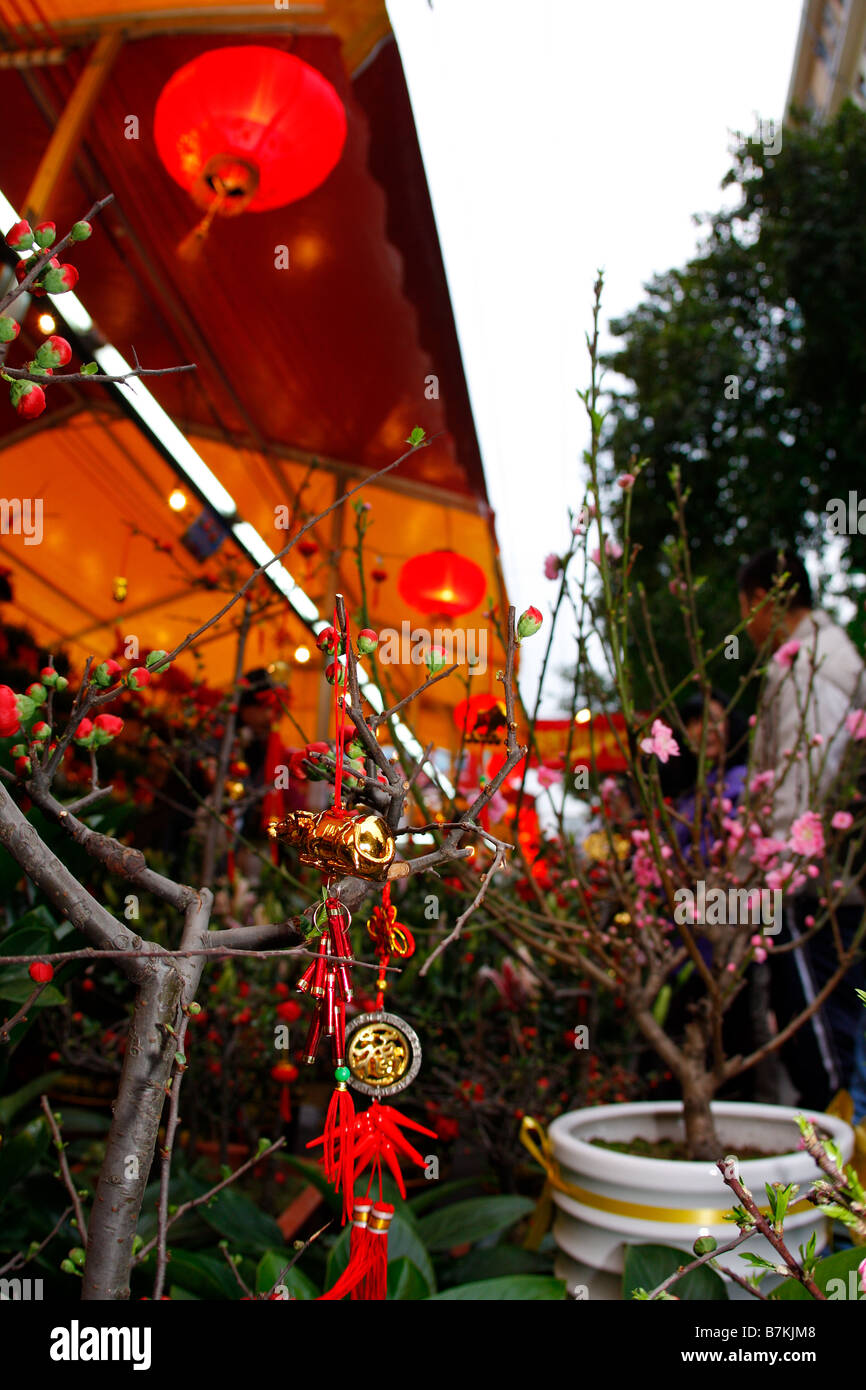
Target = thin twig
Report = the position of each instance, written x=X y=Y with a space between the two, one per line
x=28 y=1004
x=498 y=861
x=700 y=1260
x=64 y=1169
x=212 y=1192
x=38 y=266
x=762 y=1224
x=165 y=1161
x=413 y=695
x=223 y=1245
x=304 y=1248
x=41 y=379
x=19 y=1259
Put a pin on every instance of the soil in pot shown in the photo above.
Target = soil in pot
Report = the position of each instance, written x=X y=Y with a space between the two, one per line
x=676 y=1150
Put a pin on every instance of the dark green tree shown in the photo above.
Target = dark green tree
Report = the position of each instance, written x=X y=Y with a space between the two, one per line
x=747 y=368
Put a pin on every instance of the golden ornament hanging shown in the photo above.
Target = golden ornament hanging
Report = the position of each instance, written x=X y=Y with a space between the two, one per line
x=383 y=1054
x=357 y=842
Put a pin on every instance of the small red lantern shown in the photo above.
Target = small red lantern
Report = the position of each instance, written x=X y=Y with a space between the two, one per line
x=442 y=582
x=248 y=128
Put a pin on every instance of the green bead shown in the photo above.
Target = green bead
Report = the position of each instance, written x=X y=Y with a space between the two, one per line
x=342 y=1073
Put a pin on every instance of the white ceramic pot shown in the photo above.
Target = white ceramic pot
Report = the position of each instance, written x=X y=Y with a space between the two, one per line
x=628 y=1200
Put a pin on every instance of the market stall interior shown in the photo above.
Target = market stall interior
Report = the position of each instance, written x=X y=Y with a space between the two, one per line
x=271 y=223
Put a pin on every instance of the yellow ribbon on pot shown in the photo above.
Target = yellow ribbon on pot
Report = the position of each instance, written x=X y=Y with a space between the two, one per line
x=536 y=1141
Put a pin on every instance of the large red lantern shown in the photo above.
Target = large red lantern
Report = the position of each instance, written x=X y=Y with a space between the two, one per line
x=248 y=129
x=442 y=582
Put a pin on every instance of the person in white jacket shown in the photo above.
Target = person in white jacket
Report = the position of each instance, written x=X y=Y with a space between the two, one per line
x=815 y=680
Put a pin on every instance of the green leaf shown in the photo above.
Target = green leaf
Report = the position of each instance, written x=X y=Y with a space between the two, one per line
x=21 y=1153
x=436 y=1192
x=237 y=1218
x=647 y=1266
x=270 y=1266
x=406 y=1282
x=90 y=368
x=10 y=1105
x=20 y=989
x=464 y=1222
x=403 y=1239
x=205 y=1276
x=838 y=1267
x=497 y=1262
x=521 y=1287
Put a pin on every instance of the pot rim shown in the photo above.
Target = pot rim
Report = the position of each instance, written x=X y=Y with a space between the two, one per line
x=610 y=1166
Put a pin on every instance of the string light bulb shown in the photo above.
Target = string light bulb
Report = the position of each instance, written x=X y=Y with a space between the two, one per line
x=177 y=500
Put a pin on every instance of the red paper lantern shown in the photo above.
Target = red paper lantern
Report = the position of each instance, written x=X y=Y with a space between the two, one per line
x=442 y=582
x=248 y=128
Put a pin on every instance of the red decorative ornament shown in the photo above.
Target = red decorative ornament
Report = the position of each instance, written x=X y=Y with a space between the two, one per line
x=442 y=582
x=285 y=1073
x=481 y=719
x=247 y=129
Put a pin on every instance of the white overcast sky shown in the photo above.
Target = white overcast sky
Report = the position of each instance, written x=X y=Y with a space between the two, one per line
x=560 y=136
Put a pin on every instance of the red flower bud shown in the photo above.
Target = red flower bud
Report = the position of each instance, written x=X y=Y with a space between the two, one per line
x=23 y=269
x=41 y=972
x=367 y=640
x=139 y=678
x=59 y=279
x=54 y=352
x=27 y=398
x=9 y=329
x=9 y=721
x=44 y=234
x=326 y=639
x=529 y=622
x=84 y=730
x=20 y=237
x=109 y=724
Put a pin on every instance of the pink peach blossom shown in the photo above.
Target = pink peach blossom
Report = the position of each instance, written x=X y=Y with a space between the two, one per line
x=784 y=657
x=843 y=820
x=855 y=723
x=661 y=742
x=807 y=835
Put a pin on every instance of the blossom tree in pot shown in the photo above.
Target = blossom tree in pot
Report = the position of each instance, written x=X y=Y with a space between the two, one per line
x=662 y=894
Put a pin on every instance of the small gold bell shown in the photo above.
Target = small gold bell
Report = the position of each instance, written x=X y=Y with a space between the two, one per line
x=119 y=589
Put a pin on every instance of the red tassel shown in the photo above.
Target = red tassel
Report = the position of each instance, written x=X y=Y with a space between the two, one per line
x=339 y=1149
x=375 y=1282
x=359 y=1241
x=360 y=1257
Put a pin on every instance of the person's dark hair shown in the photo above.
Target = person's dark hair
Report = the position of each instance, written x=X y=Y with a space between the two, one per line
x=763 y=570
